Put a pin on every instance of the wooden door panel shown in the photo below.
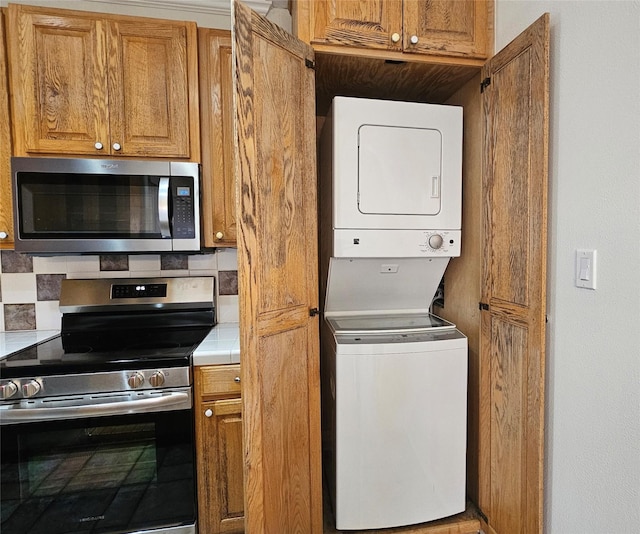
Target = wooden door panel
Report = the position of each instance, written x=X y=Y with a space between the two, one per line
x=285 y=431
x=511 y=229
x=6 y=203
x=508 y=378
x=515 y=176
x=216 y=120
x=367 y=24
x=278 y=261
x=149 y=88
x=450 y=27
x=228 y=416
x=58 y=70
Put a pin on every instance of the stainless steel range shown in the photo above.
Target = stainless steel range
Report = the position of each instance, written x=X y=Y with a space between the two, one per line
x=97 y=423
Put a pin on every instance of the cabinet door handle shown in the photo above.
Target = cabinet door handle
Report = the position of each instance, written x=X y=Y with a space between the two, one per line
x=395 y=37
x=237 y=379
x=219 y=235
x=208 y=412
x=98 y=145
x=414 y=39
x=4 y=235
x=116 y=146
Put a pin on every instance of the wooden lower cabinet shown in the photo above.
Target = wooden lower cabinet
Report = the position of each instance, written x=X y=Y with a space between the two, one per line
x=218 y=423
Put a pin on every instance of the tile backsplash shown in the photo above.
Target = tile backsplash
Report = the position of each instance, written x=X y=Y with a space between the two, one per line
x=30 y=285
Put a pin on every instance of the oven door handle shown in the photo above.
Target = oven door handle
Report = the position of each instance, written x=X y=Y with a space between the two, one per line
x=176 y=400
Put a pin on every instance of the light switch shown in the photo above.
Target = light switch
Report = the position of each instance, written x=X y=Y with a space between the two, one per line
x=586 y=268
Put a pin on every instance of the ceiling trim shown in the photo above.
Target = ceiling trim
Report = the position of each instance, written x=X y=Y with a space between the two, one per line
x=214 y=7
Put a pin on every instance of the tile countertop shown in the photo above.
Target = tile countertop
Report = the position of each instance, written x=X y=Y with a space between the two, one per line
x=221 y=346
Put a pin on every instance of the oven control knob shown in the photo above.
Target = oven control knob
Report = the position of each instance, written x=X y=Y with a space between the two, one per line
x=135 y=380
x=435 y=241
x=30 y=389
x=156 y=379
x=8 y=390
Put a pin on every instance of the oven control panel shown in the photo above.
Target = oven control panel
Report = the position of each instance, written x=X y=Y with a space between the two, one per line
x=55 y=385
x=132 y=291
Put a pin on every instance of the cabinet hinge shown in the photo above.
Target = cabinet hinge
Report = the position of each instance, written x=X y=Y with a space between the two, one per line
x=483 y=306
x=313 y=312
x=309 y=64
x=484 y=84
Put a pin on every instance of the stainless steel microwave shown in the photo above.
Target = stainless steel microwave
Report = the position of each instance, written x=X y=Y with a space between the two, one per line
x=105 y=206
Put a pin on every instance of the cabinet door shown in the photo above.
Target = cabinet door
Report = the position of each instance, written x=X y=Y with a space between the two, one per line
x=219 y=456
x=149 y=82
x=216 y=120
x=365 y=24
x=278 y=275
x=6 y=204
x=447 y=27
x=59 y=80
x=512 y=338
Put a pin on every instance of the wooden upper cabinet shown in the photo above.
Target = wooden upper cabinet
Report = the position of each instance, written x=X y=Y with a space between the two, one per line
x=437 y=29
x=216 y=122
x=6 y=205
x=95 y=84
x=368 y=24
x=448 y=27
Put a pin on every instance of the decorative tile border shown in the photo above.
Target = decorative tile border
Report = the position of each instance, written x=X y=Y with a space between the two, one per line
x=30 y=286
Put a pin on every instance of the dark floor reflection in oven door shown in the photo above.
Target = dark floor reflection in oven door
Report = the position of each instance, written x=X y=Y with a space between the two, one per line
x=100 y=475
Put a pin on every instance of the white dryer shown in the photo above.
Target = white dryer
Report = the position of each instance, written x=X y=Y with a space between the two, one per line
x=391 y=178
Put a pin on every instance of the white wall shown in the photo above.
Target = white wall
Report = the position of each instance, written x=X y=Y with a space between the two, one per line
x=593 y=428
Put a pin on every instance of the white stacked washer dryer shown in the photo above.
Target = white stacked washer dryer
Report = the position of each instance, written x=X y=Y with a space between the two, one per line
x=394 y=376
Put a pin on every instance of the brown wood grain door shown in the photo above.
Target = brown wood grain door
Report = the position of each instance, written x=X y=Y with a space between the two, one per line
x=515 y=176
x=149 y=84
x=6 y=203
x=278 y=265
x=447 y=27
x=59 y=79
x=354 y=23
x=216 y=120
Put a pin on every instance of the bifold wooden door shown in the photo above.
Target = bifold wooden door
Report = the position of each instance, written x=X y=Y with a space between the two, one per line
x=278 y=276
x=512 y=351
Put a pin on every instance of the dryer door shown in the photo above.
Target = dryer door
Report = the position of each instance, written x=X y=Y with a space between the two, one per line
x=399 y=170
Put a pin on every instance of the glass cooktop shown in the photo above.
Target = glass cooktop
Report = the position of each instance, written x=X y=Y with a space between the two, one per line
x=52 y=358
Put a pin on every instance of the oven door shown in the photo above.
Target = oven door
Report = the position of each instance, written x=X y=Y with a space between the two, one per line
x=124 y=473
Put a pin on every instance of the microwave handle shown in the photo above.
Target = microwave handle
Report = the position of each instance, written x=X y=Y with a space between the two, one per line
x=163 y=208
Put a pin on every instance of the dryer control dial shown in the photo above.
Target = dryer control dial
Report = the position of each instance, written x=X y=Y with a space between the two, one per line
x=435 y=241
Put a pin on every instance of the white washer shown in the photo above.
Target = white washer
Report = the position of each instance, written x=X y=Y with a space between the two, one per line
x=398 y=389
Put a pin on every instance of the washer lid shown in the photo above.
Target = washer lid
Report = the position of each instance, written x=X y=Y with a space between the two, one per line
x=381 y=286
x=388 y=323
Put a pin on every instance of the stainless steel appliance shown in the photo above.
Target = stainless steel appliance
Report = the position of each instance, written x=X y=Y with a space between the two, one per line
x=97 y=423
x=99 y=205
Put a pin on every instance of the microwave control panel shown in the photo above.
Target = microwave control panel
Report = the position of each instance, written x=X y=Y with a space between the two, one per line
x=183 y=208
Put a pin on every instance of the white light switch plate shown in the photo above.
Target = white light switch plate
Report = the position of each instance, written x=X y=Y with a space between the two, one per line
x=586 y=268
